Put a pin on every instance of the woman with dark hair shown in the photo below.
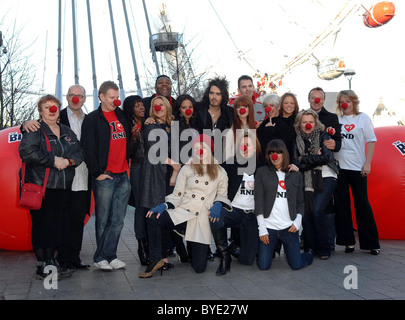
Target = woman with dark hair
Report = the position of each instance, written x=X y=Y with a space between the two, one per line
x=279 y=206
x=186 y=116
x=50 y=224
x=134 y=111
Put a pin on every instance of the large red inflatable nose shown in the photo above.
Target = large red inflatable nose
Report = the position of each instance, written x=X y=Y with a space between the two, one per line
x=117 y=102
x=267 y=109
x=308 y=126
x=75 y=99
x=242 y=110
x=188 y=112
x=344 y=105
x=53 y=109
x=274 y=156
x=317 y=100
x=158 y=108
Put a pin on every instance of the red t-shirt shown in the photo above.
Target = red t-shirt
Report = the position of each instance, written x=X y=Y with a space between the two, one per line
x=117 y=156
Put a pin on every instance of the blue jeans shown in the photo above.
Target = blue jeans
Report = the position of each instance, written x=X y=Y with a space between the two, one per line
x=248 y=232
x=316 y=226
x=111 y=201
x=291 y=244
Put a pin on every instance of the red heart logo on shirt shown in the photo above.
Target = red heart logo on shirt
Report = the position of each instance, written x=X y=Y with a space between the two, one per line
x=349 y=127
x=281 y=183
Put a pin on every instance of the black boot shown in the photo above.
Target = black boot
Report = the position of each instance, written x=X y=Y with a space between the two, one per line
x=40 y=255
x=143 y=251
x=221 y=242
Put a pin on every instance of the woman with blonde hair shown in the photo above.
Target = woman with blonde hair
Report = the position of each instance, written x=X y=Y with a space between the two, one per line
x=355 y=164
x=319 y=169
x=198 y=197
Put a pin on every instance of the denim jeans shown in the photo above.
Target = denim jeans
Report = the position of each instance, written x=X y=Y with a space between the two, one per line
x=291 y=244
x=248 y=231
x=316 y=226
x=111 y=201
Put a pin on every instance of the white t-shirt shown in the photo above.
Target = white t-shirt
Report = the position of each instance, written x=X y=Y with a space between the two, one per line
x=279 y=217
x=357 y=131
x=244 y=198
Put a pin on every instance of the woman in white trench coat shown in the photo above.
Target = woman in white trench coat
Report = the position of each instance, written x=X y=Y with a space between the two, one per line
x=198 y=197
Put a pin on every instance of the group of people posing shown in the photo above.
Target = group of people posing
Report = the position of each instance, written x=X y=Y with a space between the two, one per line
x=253 y=176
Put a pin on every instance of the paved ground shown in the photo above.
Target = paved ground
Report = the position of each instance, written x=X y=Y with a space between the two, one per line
x=378 y=277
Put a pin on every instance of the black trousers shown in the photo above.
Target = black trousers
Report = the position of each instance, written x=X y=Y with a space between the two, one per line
x=366 y=226
x=79 y=207
x=197 y=251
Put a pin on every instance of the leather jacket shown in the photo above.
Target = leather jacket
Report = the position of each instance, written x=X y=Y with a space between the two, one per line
x=34 y=153
x=311 y=161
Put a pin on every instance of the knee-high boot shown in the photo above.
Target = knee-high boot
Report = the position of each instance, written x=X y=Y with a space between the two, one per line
x=220 y=238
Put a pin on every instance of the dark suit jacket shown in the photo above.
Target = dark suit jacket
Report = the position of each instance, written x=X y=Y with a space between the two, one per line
x=330 y=119
x=266 y=184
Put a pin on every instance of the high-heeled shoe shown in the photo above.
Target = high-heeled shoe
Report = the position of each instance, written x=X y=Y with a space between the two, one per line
x=150 y=270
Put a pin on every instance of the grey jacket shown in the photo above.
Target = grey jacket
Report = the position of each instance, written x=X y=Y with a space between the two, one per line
x=266 y=184
x=33 y=151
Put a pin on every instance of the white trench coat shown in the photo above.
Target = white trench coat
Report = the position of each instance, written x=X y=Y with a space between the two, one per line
x=192 y=197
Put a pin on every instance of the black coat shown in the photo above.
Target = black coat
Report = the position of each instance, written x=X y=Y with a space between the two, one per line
x=330 y=119
x=34 y=153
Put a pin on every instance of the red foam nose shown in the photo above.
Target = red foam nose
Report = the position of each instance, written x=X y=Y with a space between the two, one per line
x=200 y=152
x=53 y=109
x=188 y=112
x=317 y=100
x=117 y=102
x=242 y=110
x=137 y=127
x=75 y=99
x=274 y=156
x=267 y=109
x=344 y=105
x=243 y=147
x=330 y=131
x=158 y=108
x=308 y=126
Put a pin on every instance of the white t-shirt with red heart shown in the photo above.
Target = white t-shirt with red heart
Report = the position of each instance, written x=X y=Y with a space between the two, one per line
x=357 y=131
x=279 y=218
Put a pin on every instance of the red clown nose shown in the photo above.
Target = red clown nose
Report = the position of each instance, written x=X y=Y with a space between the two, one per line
x=267 y=109
x=331 y=131
x=344 y=105
x=308 y=126
x=242 y=110
x=243 y=147
x=75 y=99
x=317 y=100
x=188 y=112
x=158 y=108
x=200 y=152
x=274 y=156
x=53 y=109
x=117 y=102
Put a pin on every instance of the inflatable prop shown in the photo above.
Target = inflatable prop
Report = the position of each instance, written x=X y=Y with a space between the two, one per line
x=386 y=188
x=379 y=14
x=15 y=221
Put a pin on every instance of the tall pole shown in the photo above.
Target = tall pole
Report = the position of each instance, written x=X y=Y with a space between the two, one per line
x=59 y=74
x=75 y=41
x=122 y=92
x=152 y=45
x=93 y=64
x=138 y=83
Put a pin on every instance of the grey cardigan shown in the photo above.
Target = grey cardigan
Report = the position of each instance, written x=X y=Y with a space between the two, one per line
x=266 y=184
